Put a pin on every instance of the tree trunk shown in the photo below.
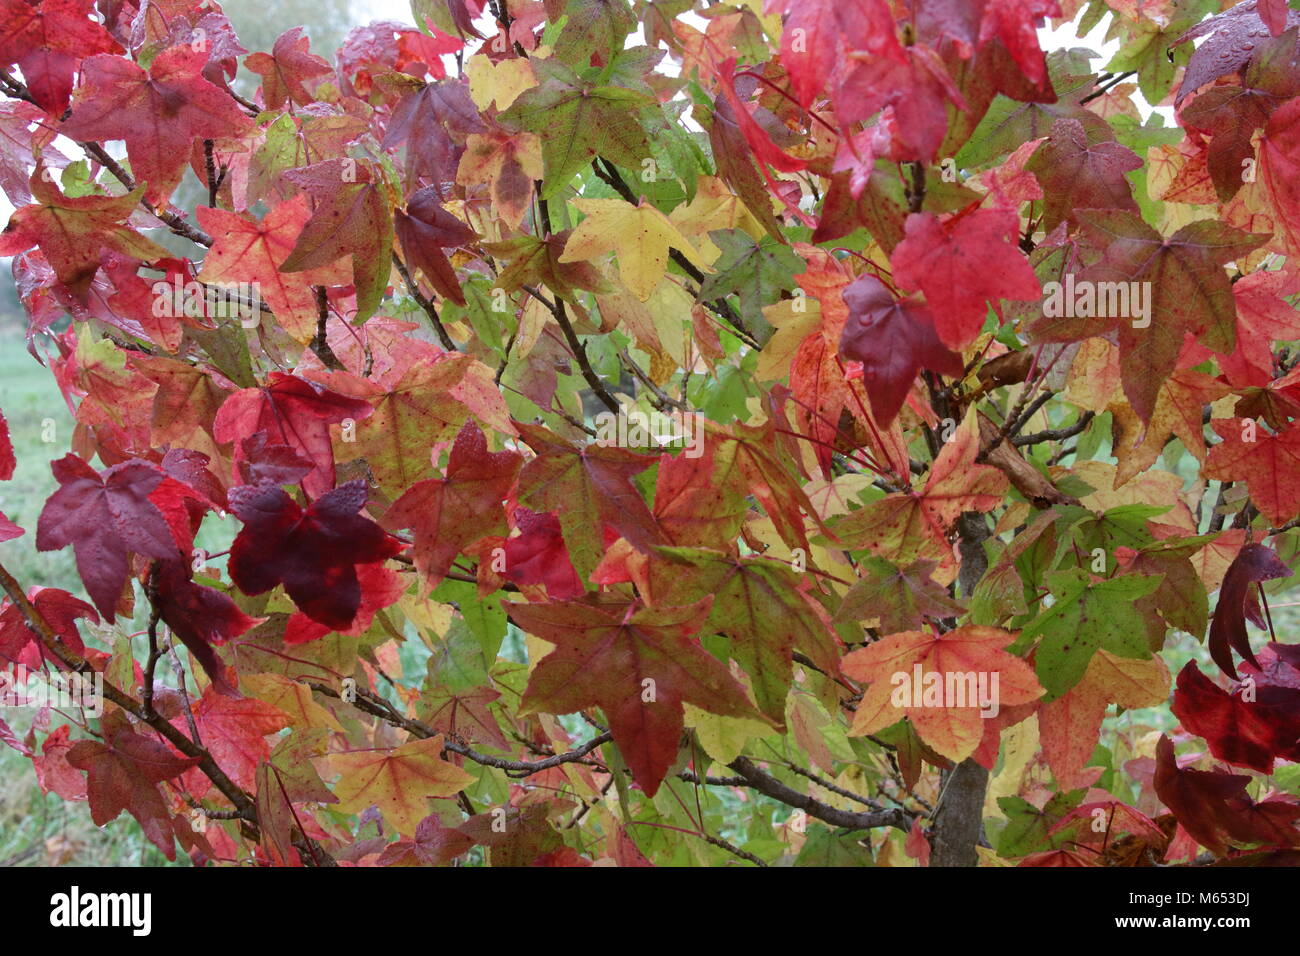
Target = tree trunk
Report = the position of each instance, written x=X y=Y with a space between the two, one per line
x=959 y=817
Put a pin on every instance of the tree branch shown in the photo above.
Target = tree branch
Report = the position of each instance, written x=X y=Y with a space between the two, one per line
x=50 y=638
x=771 y=787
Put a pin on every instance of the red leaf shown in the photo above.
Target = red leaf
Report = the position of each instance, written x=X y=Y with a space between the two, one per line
x=105 y=519
x=893 y=340
x=1077 y=174
x=381 y=587
x=200 y=616
x=286 y=69
x=313 y=553
x=816 y=31
x=1189 y=293
x=53 y=772
x=351 y=218
x=234 y=730
x=1211 y=806
x=1254 y=563
x=638 y=664
x=47 y=39
x=589 y=487
x=20 y=644
x=424 y=229
x=962 y=263
x=1016 y=23
x=123 y=773
x=759 y=141
x=1246 y=733
x=434 y=123
x=119 y=100
x=915 y=87
x=7 y=460
x=245 y=250
x=1231 y=39
x=1274 y=13
x=538 y=556
x=292 y=412
x=451 y=513
x=73 y=232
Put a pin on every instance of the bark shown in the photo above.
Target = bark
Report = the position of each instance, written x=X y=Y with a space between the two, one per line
x=959 y=817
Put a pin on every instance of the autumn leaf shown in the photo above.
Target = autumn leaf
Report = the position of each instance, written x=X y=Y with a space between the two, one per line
x=1269 y=464
x=48 y=42
x=578 y=121
x=313 y=552
x=641 y=236
x=399 y=781
x=538 y=555
x=1076 y=174
x=814 y=32
x=1209 y=804
x=1189 y=291
x=897 y=599
x=287 y=69
x=351 y=218
x=952 y=725
x=250 y=251
x=123 y=772
x=909 y=525
x=960 y=264
x=420 y=401
x=638 y=664
x=1087 y=615
x=765 y=611
x=1254 y=564
x=292 y=412
x=589 y=487
x=234 y=732
x=508 y=164
x=7 y=460
x=72 y=231
x=424 y=229
x=433 y=122
x=200 y=616
x=1247 y=729
x=894 y=340
x=448 y=514
x=19 y=643
x=1070 y=724
x=105 y=518
x=119 y=100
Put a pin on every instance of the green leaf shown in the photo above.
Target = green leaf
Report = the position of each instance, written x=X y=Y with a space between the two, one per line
x=1087 y=615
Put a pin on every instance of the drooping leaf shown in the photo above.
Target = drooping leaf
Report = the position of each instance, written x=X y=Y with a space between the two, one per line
x=1237 y=603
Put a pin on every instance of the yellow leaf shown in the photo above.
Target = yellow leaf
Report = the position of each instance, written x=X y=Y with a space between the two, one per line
x=723 y=738
x=714 y=207
x=640 y=235
x=398 y=781
x=792 y=327
x=292 y=697
x=1019 y=744
x=498 y=82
